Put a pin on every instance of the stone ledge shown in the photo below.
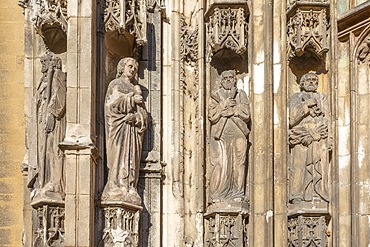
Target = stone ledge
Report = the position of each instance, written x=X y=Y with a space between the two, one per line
x=353 y=20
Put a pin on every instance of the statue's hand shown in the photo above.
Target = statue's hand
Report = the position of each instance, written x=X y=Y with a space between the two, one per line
x=138 y=99
x=50 y=123
x=227 y=112
x=307 y=140
x=229 y=103
x=311 y=102
x=131 y=118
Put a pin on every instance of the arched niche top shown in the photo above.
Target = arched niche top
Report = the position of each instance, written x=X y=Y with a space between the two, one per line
x=120 y=44
x=49 y=18
x=227 y=59
x=54 y=38
x=361 y=53
x=307 y=62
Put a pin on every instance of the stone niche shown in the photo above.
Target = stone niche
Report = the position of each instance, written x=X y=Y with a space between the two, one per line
x=49 y=18
x=227 y=212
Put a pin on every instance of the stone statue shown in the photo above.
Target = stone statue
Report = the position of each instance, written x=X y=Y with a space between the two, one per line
x=229 y=115
x=125 y=122
x=310 y=141
x=47 y=130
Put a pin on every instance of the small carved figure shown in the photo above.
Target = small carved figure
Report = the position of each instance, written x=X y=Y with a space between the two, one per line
x=310 y=140
x=47 y=130
x=229 y=116
x=125 y=122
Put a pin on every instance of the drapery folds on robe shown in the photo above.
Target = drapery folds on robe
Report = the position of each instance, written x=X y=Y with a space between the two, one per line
x=124 y=138
x=228 y=145
x=309 y=137
x=47 y=130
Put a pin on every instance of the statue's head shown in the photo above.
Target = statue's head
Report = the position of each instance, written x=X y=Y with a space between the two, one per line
x=50 y=60
x=309 y=82
x=228 y=79
x=127 y=67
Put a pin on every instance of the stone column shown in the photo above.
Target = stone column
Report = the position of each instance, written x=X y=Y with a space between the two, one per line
x=262 y=156
x=78 y=144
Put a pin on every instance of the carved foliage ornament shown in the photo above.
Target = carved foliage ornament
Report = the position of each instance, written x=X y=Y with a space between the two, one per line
x=363 y=52
x=308 y=29
x=189 y=57
x=47 y=12
x=126 y=16
x=227 y=28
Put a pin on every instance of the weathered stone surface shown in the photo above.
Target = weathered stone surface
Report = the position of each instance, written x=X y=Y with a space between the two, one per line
x=126 y=120
x=48 y=124
x=229 y=115
x=311 y=141
x=189 y=44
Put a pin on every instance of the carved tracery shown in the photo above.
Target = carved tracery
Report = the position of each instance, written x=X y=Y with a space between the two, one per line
x=189 y=57
x=307 y=27
x=126 y=16
x=49 y=18
x=227 y=28
x=47 y=12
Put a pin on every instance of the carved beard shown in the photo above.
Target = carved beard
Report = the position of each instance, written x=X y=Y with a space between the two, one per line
x=310 y=88
x=227 y=85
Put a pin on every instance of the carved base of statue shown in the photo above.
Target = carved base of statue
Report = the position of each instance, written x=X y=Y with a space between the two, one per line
x=226 y=224
x=49 y=229
x=308 y=229
x=114 y=193
x=315 y=207
x=49 y=194
x=308 y=223
x=121 y=224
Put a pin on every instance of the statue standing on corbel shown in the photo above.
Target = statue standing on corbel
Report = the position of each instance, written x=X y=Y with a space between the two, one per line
x=125 y=122
x=47 y=130
x=310 y=140
x=229 y=116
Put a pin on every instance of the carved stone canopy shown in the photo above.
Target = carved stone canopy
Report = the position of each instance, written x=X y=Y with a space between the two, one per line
x=49 y=18
x=127 y=17
x=227 y=27
x=307 y=25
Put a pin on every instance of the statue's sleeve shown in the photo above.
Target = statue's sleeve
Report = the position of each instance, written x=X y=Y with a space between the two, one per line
x=57 y=103
x=298 y=110
x=214 y=108
x=327 y=113
x=242 y=109
x=118 y=104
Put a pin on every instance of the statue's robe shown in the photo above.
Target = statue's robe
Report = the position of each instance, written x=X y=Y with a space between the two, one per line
x=123 y=139
x=46 y=163
x=308 y=138
x=228 y=146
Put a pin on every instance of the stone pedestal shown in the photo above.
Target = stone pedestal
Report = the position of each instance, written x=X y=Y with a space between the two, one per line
x=308 y=224
x=121 y=224
x=226 y=224
x=48 y=218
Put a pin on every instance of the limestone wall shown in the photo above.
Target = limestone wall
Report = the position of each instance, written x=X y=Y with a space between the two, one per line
x=12 y=123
